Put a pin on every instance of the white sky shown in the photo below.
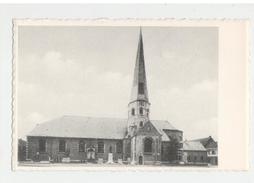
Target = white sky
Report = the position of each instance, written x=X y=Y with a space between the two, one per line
x=89 y=70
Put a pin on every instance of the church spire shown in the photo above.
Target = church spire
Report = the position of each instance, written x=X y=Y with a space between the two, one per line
x=139 y=88
x=138 y=108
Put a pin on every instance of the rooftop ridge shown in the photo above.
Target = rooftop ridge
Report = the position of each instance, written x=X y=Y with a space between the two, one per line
x=199 y=139
x=101 y=117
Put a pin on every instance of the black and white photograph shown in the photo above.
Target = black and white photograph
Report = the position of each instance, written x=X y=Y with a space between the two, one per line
x=124 y=92
x=117 y=96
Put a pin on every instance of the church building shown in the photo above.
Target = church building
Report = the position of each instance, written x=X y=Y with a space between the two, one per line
x=134 y=140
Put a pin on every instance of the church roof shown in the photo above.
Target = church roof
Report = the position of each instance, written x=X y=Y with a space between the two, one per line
x=193 y=146
x=161 y=125
x=139 y=87
x=82 y=127
x=90 y=127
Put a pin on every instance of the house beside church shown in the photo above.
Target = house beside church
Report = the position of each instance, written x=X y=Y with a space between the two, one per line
x=194 y=153
x=200 y=151
x=135 y=140
x=211 y=147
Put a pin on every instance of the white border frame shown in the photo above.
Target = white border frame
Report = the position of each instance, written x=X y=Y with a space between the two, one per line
x=233 y=58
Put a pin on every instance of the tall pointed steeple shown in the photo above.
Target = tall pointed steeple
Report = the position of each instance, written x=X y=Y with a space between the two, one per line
x=139 y=87
x=139 y=105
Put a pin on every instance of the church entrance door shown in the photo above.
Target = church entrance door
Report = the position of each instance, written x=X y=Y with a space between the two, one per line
x=140 y=160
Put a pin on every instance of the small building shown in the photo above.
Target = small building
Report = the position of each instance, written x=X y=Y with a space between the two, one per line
x=211 y=147
x=194 y=153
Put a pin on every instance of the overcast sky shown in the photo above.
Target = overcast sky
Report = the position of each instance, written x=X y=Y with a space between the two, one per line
x=89 y=70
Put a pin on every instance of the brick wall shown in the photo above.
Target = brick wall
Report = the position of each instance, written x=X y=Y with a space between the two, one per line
x=195 y=156
x=169 y=151
x=72 y=149
x=162 y=151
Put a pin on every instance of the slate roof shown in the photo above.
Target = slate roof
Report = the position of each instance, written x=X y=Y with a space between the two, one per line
x=193 y=146
x=82 y=127
x=90 y=127
x=139 y=74
x=207 y=142
x=160 y=125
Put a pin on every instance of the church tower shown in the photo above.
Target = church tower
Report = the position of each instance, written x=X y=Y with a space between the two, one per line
x=138 y=108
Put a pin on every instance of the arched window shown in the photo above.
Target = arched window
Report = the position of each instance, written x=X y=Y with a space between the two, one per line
x=141 y=124
x=119 y=147
x=100 y=147
x=42 y=145
x=62 y=146
x=110 y=149
x=148 y=142
x=202 y=158
x=141 y=111
x=81 y=146
x=132 y=111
